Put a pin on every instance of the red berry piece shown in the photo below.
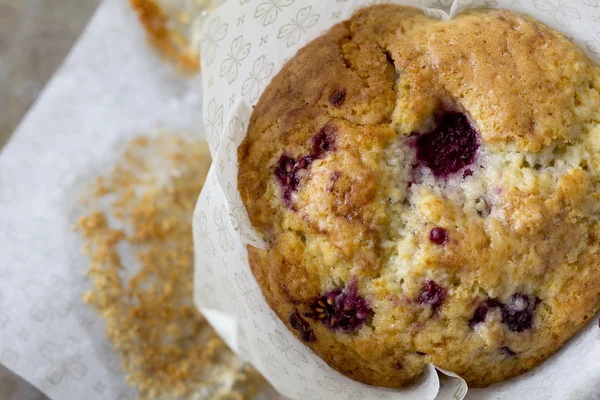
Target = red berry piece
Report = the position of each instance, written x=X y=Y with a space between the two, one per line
x=433 y=295
x=507 y=352
x=302 y=326
x=481 y=312
x=337 y=97
x=341 y=309
x=450 y=147
x=517 y=314
x=288 y=169
x=438 y=235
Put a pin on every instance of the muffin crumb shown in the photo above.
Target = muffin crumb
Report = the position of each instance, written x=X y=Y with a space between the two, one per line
x=144 y=206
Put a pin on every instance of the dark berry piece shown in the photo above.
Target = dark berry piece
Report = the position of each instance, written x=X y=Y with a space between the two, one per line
x=481 y=312
x=288 y=169
x=517 y=313
x=304 y=162
x=341 y=309
x=480 y=315
x=337 y=97
x=451 y=146
x=300 y=324
x=438 y=235
x=467 y=173
x=323 y=141
x=287 y=174
x=505 y=351
x=433 y=295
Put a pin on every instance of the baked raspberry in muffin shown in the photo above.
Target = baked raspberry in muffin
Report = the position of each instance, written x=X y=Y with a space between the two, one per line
x=428 y=191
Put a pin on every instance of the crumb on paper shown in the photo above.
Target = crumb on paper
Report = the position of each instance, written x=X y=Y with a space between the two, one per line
x=167 y=33
x=145 y=204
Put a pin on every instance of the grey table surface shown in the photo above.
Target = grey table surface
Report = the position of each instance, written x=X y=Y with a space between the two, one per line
x=35 y=36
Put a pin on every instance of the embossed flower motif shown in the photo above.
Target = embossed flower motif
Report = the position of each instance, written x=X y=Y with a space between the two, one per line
x=230 y=146
x=301 y=377
x=231 y=65
x=237 y=304
x=560 y=10
x=239 y=217
x=242 y=282
x=291 y=33
x=214 y=32
x=221 y=218
x=237 y=132
x=593 y=45
x=269 y=10
x=294 y=356
x=592 y=3
x=274 y=367
x=202 y=235
x=6 y=273
x=261 y=71
x=208 y=268
x=213 y=124
x=344 y=391
x=46 y=308
x=110 y=359
x=65 y=361
x=208 y=294
x=9 y=358
x=100 y=387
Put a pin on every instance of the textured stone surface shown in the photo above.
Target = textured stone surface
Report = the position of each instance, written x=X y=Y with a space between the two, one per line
x=35 y=36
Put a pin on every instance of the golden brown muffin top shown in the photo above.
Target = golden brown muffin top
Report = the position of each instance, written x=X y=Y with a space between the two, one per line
x=427 y=190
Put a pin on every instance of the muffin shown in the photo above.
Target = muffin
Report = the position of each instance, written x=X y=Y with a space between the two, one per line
x=428 y=193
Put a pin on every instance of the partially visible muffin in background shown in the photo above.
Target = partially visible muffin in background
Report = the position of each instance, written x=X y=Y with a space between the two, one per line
x=428 y=193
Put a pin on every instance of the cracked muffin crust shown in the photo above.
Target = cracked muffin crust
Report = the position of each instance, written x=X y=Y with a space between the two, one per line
x=428 y=191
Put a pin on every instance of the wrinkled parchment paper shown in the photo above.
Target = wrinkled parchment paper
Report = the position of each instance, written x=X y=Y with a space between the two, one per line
x=111 y=88
x=243 y=45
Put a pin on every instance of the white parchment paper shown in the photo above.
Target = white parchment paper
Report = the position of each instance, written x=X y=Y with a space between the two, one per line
x=243 y=45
